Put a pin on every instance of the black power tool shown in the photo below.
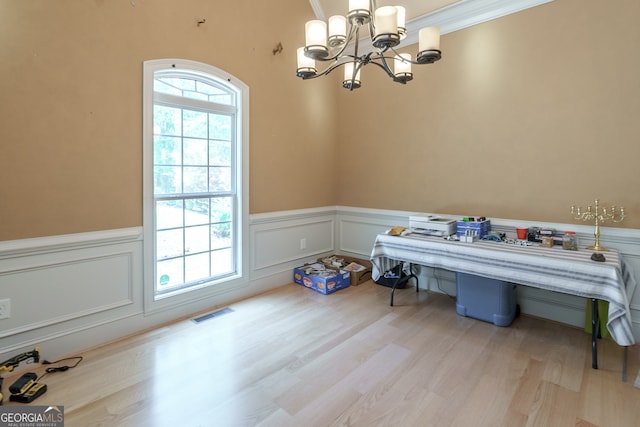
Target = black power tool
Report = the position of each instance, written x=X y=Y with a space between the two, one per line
x=26 y=382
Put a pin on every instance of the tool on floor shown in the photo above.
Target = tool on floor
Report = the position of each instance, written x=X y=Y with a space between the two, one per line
x=26 y=389
x=10 y=364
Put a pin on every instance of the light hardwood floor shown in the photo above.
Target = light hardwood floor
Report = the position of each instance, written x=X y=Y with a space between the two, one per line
x=293 y=357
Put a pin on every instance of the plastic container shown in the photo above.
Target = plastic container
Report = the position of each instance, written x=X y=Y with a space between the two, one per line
x=490 y=300
x=570 y=241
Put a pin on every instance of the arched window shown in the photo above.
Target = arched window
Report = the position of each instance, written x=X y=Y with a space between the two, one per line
x=195 y=206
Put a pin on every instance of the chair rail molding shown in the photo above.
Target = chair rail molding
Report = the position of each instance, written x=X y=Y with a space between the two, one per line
x=72 y=292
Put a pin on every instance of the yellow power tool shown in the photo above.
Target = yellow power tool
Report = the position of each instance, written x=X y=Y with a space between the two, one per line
x=10 y=364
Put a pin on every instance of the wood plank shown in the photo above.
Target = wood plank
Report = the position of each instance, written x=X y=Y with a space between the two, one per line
x=294 y=357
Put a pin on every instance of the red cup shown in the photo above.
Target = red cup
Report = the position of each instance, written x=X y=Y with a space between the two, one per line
x=522 y=233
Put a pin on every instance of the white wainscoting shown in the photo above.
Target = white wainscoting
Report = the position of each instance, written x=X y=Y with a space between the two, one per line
x=281 y=241
x=72 y=292
x=63 y=286
x=69 y=293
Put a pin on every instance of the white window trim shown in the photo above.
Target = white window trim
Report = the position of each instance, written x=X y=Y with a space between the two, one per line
x=241 y=279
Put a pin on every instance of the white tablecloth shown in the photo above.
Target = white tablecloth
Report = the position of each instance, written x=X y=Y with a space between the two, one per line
x=555 y=269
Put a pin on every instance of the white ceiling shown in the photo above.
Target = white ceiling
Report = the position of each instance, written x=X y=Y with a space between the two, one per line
x=449 y=15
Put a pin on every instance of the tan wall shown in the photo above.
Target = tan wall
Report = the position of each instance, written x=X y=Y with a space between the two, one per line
x=71 y=111
x=523 y=117
x=538 y=108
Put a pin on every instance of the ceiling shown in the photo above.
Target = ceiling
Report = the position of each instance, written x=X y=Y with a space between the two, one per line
x=449 y=15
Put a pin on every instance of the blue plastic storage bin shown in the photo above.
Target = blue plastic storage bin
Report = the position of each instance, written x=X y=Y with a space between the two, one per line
x=490 y=300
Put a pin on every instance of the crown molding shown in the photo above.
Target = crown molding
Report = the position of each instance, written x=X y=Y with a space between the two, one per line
x=466 y=14
x=317 y=9
x=463 y=14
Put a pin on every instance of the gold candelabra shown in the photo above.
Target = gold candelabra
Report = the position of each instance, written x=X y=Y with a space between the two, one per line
x=598 y=215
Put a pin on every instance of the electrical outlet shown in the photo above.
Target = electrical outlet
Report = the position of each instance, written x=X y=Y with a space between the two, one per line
x=5 y=308
x=303 y=243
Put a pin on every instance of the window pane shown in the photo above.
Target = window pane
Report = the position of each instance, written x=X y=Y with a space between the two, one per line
x=159 y=85
x=195 y=180
x=170 y=273
x=168 y=180
x=221 y=209
x=221 y=236
x=178 y=84
x=169 y=214
x=220 y=127
x=210 y=89
x=196 y=211
x=222 y=262
x=220 y=178
x=219 y=153
x=215 y=94
x=195 y=124
x=169 y=243
x=195 y=152
x=167 y=120
x=196 y=267
x=227 y=99
x=196 y=239
x=167 y=150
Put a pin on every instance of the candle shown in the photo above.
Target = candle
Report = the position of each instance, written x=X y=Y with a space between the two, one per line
x=386 y=20
x=429 y=39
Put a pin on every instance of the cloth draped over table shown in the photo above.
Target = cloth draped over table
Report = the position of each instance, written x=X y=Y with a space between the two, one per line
x=554 y=269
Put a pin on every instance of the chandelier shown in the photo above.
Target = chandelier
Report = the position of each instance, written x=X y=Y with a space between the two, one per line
x=337 y=42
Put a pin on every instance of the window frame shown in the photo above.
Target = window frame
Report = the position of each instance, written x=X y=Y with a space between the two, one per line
x=240 y=164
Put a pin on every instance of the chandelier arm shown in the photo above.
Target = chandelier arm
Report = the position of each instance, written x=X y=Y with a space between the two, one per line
x=333 y=66
x=383 y=64
x=356 y=41
x=404 y=59
x=391 y=58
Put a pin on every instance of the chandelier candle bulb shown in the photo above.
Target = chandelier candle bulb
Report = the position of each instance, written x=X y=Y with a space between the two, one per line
x=316 y=38
x=306 y=65
x=402 y=66
x=359 y=11
x=337 y=30
x=429 y=38
x=351 y=81
x=386 y=20
x=358 y=5
x=402 y=18
x=386 y=27
x=428 y=42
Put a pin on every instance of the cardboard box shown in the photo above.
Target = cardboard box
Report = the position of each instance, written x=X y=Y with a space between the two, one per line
x=321 y=278
x=478 y=228
x=358 y=275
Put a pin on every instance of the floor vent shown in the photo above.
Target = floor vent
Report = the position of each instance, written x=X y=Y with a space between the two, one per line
x=211 y=315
